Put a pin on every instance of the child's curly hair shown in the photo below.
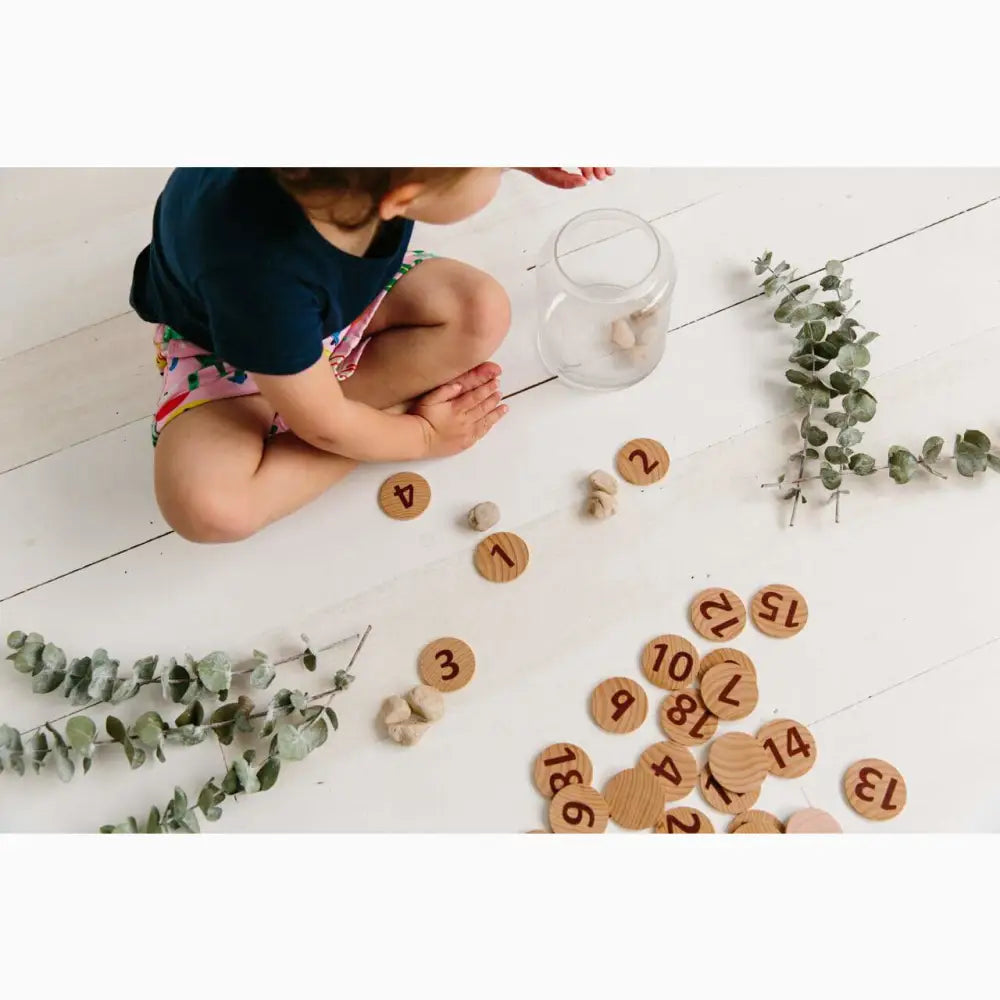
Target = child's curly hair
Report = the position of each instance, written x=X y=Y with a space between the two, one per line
x=351 y=195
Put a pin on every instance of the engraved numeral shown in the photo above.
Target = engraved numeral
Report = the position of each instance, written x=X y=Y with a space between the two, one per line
x=676 y=825
x=623 y=701
x=565 y=758
x=579 y=810
x=644 y=458
x=447 y=661
x=405 y=494
x=498 y=550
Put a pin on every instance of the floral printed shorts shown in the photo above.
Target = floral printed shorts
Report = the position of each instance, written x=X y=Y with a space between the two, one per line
x=192 y=376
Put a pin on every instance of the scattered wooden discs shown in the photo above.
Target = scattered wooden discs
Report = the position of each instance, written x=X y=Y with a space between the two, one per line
x=673 y=766
x=670 y=662
x=875 y=789
x=635 y=798
x=578 y=809
x=812 y=821
x=642 y=461
x=739 y=762
x=724 y=655
x=685 y=718
x=404 y=496
x=502 y=557
x=730 y=690
x=446 y=664
x=721 y=798
x=619 y=705
x=718 y=614
x=779 y=611
x=684 y=819
x=756 y=821
x=559 y=765
x=790 y=746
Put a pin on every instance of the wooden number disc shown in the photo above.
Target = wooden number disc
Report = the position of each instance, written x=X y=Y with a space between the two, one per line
x=446 y=664
x=739 y=762
x=756 y=821
x=875 y=789
x=404 y=496
x=642 y=461
x=730 y=691
x=673 y=766
x=779 y=611
x=790 y=746
x=619 y=705
x=560 y=765
x=718 y=614
x=578 y=809
x=635 y=798
x=683 y=819
x=670 y=662
x=685 y=718
x=721 y=798
x=812 y=821
x=724 y=655
x=501 y=557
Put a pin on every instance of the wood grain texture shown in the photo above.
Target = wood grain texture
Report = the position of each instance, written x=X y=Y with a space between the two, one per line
x=670 y=662
x=718 y=614
x=635 y=798
x=779 y=611
x=738 y=762
x=561 y=764
x=790 y=747
x=722 y=799
x=447 y=664
x=756 y=821
x=683 y=819
x=619 y=705
x=578 y=809
x=502 y=557
x=404 y=496
x=642 y=461
x=812 y=821
x=685 y=718
x=673 y=766
x=875 y=789
x=730 y=691
x=724 y=655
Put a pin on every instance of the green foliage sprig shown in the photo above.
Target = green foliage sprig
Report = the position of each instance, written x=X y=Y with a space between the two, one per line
x=814 y=309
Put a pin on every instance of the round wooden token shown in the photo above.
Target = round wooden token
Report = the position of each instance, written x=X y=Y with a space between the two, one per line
x=779 y=611
x=670 y=662
x=812 y=821
x=756 y=821
x=619 y=705
x=685 y=718
x=642 y=461
x=683 y=819
x=673 y=766
x=875 y=789
x=559 y=765
x=722 y=799
x=635 y=798
x=724 y=655
x=729 y=691
x=578 y=809
x=404 y=496
x=790 y=746
x=718 y=614
x=446 y=664
x=739 y=762
x=502 y=557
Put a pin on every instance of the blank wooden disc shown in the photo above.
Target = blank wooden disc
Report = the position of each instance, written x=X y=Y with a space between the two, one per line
x=619 y=705
x=722 y=799
x=683 y=819
x=670 y=662
x=756 y=821
x=779 y=611
x=875 y=789
x=718 y=614
x=559 y=765
x=673 y=766
x=502 y=557
x=724 y=655
x=446 y=664
x=790 y=746
x=642 y=461
x=729 y=690
x=685 y=718
x=404 y=496
x=812 y=821
x=738 y=761
x=578 y=809
x=635 y=798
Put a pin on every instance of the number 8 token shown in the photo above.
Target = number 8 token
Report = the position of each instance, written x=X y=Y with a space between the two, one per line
x=578 y=809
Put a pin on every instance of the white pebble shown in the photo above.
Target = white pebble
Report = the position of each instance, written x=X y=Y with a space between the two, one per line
x=484 y=515
x=603 y=481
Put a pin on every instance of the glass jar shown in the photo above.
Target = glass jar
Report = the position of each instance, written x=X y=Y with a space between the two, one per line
x=605 y=282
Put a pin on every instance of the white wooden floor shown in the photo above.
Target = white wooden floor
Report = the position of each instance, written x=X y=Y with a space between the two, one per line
x=900 y=659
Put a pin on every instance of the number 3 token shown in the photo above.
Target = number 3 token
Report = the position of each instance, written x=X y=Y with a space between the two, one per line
x=875 y=789
x=779 y=611
x=642 y=461
x=404 y=496
x=560 y=765
x=501 y=557
x=446 y=664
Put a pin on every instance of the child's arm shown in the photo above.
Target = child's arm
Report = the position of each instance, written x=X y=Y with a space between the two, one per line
x=443 y=422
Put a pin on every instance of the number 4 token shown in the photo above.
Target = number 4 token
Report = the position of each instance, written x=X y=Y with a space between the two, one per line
x=404 y=496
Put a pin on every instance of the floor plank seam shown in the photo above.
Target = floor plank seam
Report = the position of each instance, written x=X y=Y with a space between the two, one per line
x=64 y=336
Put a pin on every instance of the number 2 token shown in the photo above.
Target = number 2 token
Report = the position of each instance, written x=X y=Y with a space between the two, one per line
x=790 y=745
x=404 y=496
x=684 y=819
x=875 y=789
x=446 y=664
x=578 y=809
x=718 y=614
x=779 y=611
x=642 y=461
x=560 y=765
x=618 y=705
x=670 y=662
x=501 y=557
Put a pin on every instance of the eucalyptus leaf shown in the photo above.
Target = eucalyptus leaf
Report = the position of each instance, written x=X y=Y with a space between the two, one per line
x=144 y=669
x=262 y=675
x=830 y=477
x=65 y=768
x=149 y=729
x=268 y=773
x=860 y=404
x=993 y=461
x=28 y=659
x=102 y=676
x=902 y=464
x=829 y=282
x=807 y=313
x=852 y=356
x=834 y=267
x=215 y=671
x=223 y=721
x=16 y=639
x=814 y=331
x=53 y=658
x=248 y=780
x=47 y=680
x=332 y=716
x=125 y=688
x=244 y=709
x=845 y=291
x=969 y=459
x=81 y=732
x=868 y=338
x=193 y=715
x=834 y=309
x=315 y=733
x=836 y=419
x=78 y=676
x=977 y=439
x=292 y=745
x=309 y=660
x=843 y=382
x=931 y=450
x=849 y=437
x=861 y=376
x=38 y=748
x=816 y=436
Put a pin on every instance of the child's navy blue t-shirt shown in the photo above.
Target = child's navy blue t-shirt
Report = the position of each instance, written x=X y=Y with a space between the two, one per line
x=236 y=267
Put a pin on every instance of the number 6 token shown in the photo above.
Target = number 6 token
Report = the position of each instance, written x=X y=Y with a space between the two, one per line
x=578 y=809
x=404 y=496
x=642 y=461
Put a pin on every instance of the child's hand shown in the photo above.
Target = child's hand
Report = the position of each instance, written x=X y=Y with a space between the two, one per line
x=457 y=417
x=557 y=177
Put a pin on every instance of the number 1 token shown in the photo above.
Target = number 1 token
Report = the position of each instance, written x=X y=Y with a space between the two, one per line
x=578 y=809
x=404 y=496
x=642 y=461
x=501 y=557
x=718 y=614
x=446 y=664
x=779 y=611
x=875 y=789
x=560 y=765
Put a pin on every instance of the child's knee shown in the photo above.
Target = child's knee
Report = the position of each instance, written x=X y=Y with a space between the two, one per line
x=210 y=517
x=486 y=309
